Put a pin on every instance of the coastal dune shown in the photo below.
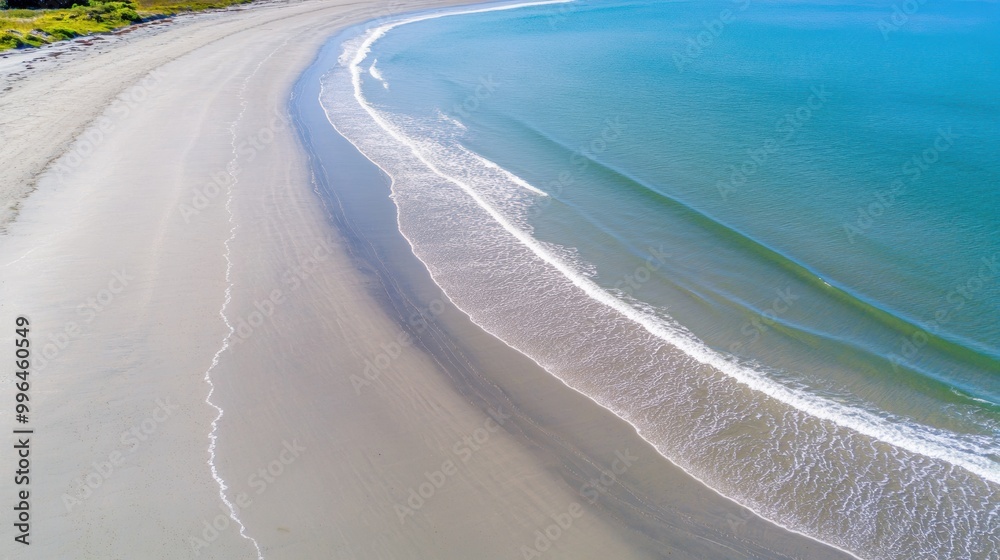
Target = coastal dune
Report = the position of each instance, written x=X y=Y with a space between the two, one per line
x=229 y=365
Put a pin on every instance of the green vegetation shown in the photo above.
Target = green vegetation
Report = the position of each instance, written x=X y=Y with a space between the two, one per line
x=31 y=28
x=170 y=7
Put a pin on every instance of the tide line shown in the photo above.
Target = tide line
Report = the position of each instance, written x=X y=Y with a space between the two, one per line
x=213 y=434
x=921 y=440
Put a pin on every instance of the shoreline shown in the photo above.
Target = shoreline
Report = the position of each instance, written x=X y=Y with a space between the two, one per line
x=458 y=447
x=745 y=511
x=406 y=286
x=469 y=246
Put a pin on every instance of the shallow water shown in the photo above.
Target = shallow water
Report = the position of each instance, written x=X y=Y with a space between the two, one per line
x=764 y=234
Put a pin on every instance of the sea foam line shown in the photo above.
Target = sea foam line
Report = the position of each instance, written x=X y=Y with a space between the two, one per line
x=510 y=176
x=858 y=420
x=231 y=170
x=638 y=429
x=354 y=67
x=854 y=419
x=377 y=74
x=926 y=441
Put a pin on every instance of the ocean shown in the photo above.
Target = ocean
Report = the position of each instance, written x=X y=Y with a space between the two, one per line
x=766 y=234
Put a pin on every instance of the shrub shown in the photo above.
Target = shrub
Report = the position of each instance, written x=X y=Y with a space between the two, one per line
x=39 y=4
x=110 y=12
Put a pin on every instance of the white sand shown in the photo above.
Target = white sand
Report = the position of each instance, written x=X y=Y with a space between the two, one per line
x=124 y=282
x=118 y=211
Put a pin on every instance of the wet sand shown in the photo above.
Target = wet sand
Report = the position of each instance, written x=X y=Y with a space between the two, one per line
x=214 y=250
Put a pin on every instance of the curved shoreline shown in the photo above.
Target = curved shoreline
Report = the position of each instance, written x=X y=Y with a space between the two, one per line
x=920 y=440
x=406 y=287
x=316 y=463
x=455 y=277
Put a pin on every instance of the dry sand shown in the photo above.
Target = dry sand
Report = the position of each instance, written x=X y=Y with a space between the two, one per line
x=153 y=181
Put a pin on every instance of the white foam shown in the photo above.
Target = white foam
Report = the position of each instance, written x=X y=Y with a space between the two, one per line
x=977 y=399
x=923 y=440
x=507 y=174
x=451 y=120
x=906 y=438
x=377 y=75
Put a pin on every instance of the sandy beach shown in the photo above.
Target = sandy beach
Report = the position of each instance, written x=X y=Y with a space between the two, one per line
x=236 y=354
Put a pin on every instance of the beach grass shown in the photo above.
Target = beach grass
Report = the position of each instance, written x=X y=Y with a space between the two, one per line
x=33 y=28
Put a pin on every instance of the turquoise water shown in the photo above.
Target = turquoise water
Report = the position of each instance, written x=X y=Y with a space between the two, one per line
x=767 y=234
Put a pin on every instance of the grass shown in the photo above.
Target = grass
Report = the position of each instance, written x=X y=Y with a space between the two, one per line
x=32 y=28
x=173 y=6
